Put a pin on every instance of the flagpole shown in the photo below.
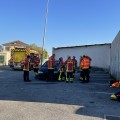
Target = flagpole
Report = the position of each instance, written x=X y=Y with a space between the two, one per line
x=44 y=36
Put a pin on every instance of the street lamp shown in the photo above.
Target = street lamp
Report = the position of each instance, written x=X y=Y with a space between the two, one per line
x=44 y=31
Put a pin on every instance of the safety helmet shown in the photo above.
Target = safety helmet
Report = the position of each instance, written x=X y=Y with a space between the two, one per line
x=53 y=55
x=60 y=58
x=74 y=57
x=69 y=57
x=84 y=55
x=28 y=56
x=81 y=57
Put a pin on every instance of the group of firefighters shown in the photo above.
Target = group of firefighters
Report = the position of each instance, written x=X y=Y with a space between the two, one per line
x=67 y=70
x=69 y=67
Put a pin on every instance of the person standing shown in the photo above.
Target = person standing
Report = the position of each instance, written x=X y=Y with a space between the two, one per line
x=85 y=66
x=74 y=65
x=26 y=67
x=36 y=62
x=51 y=67
x=62 y=69
x=69 y=69
x=90 y=64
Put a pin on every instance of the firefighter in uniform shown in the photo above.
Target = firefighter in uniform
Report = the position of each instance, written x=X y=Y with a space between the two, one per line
x=26 y=67
x=69 y=69
x=62 y=69
x=36 y=62
x=90 y=64
x=85 y=66
x=74 y=65
x=51 y=67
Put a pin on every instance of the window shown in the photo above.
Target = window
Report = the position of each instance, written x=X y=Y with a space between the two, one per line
x=7 y=48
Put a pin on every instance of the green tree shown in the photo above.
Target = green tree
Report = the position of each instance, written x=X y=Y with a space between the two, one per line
x=39 y=49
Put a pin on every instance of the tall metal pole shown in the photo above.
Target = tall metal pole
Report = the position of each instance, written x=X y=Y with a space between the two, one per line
x=44 y=36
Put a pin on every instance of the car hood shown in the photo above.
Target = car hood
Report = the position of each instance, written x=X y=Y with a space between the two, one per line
x=45 y=69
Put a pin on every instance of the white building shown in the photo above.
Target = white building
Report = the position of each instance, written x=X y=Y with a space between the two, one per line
x=4 y=57
x=100 y=53
x=115 y=57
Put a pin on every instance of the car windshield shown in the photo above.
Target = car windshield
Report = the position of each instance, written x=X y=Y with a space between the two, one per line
x=46 y=64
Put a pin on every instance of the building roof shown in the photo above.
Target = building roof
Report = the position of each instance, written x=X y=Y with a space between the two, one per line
x=82 y=46
x=16 y=43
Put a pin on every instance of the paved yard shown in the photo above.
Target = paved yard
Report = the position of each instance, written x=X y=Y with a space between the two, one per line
x=41 y=100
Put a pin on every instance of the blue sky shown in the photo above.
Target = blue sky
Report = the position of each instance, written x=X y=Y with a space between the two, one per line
x=70 y=22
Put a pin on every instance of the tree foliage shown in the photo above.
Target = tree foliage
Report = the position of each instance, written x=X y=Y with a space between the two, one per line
x=39 y=49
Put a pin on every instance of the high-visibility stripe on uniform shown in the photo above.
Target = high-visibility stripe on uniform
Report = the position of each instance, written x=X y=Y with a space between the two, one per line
x=26 y=66
x=85 y=63
x=69 y=63
x=51 y=63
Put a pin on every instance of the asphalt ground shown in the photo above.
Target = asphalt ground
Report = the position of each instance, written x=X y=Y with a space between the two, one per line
x=41 y=100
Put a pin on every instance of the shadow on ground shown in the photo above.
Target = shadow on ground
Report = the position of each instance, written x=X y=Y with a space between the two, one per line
x=92 y=99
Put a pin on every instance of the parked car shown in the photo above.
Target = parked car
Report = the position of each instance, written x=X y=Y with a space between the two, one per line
x=43 y=71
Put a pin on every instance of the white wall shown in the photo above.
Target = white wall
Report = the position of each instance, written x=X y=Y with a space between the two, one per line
x=115 y=57
x=100 y=54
